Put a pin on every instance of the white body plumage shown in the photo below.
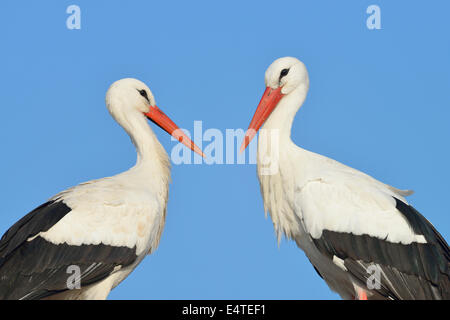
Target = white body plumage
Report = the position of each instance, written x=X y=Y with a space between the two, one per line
x=344 y=220
x=104 y=227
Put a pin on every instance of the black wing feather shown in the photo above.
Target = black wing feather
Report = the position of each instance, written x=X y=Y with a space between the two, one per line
x=40 y=219
x=412 y=271
x=38 y=268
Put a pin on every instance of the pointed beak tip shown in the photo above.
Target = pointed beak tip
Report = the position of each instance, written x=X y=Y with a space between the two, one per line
x=268 y=102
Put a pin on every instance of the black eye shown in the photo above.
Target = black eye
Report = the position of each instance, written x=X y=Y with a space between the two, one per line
x=283 y=73
x=144 y=94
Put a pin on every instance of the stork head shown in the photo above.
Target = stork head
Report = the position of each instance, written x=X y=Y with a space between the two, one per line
x=284 y=76
x=130 y=97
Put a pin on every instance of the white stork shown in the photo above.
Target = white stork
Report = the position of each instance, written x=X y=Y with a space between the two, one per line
x=360 y=234
x=101 y=229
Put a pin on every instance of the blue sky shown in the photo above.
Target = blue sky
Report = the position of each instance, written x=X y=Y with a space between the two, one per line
x=378 y=101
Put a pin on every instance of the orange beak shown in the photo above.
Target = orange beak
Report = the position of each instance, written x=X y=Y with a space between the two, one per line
x=268 y=102
x=164 y=122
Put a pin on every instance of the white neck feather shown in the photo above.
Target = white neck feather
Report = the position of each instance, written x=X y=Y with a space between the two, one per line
x=276 y=187
x=152 y=159
x=283 y=115
x=152 y=170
